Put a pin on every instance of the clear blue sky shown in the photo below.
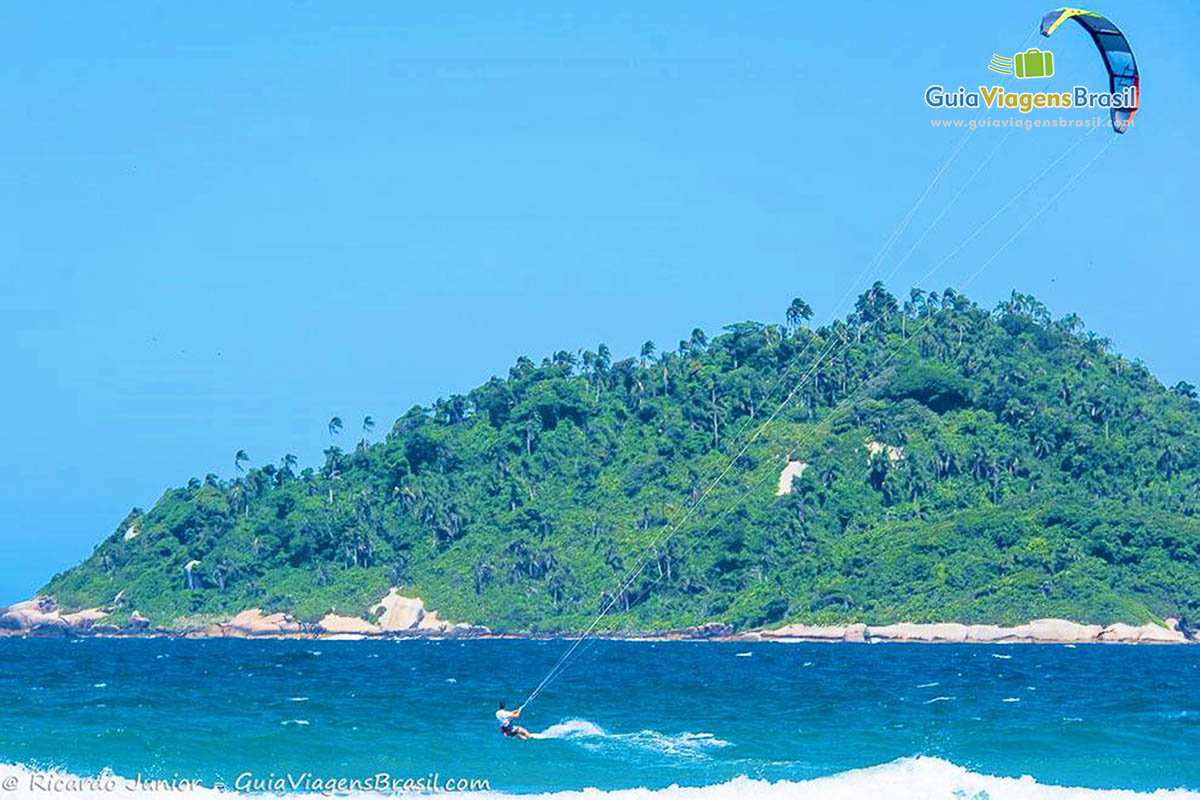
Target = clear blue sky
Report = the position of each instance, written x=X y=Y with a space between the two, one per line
x=224 y=223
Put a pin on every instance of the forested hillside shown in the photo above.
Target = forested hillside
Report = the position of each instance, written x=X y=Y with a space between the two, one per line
x=960 y=464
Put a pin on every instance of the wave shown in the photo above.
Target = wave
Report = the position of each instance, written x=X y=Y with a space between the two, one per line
x=914 y=778
x=592 y=736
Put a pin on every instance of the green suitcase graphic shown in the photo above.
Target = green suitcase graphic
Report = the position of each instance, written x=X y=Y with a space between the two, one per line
x=1034 y=63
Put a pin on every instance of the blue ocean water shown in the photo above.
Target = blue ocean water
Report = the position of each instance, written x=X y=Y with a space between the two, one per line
x=626 y=715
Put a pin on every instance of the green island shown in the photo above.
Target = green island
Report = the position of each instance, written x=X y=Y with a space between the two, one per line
x=924 y=459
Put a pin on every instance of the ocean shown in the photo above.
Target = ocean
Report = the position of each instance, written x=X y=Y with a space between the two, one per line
x=627 y=719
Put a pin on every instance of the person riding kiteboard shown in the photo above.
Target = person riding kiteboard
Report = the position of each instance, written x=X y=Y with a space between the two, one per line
x=507 y=726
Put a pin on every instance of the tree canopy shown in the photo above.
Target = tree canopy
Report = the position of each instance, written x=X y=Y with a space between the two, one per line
x=962 y=464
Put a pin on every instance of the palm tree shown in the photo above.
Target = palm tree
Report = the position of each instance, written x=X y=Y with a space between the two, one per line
x=288 y=462
x=799 y=311
x=368 y=425
x=1072 y=323
x=647 y=352
x=332 y=454
x=238 y=459
x=919 y=300
x=335 y=426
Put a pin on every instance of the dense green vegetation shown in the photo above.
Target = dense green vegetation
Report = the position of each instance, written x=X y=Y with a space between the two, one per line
x=1024 y=471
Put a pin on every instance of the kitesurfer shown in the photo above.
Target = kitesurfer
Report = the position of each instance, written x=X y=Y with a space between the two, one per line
x=507 y=726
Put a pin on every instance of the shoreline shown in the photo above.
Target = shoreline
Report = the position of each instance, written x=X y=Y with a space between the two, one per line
x=1043 y=631
x=398 y=617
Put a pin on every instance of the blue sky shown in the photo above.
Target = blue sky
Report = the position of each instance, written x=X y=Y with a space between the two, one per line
x=225 y=223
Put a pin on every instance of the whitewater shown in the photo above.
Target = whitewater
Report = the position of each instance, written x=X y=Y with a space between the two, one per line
x=916 y=778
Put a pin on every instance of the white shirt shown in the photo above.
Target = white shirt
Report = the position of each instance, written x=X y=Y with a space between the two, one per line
x=504 y=716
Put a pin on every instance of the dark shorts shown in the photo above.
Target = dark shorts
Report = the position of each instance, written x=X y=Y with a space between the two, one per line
x=508 y=729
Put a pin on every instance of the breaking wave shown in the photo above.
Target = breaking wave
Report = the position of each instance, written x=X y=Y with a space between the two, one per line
x=915 y=778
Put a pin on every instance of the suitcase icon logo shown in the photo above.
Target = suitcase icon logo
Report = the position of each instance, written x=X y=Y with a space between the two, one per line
x=1033 y=63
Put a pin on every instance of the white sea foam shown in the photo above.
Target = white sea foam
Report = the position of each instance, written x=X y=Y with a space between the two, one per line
x=918 y=778
x=743 y=655
x=592 y=736
x=571 y=728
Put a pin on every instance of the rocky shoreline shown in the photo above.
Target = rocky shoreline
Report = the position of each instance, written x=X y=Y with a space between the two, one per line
x=399 y=617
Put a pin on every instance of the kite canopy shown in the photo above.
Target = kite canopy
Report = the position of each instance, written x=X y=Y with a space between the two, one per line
x=1113 y=47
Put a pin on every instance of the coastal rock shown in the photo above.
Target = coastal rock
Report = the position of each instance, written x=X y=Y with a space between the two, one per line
x=210 y=631
x=920 y=632
x=708 y=630
x=254 y=623
x=1119 y=632
x=991 y=633
x=431 y=623
x=1157 y=634
x=337 y=624
x=855 y=632
x=47 y=605
x=43 y=613
x=137 y=622
x=1038 y=631
x=467 y=630
x=1062 y=630
x=1145 y=634
x=823 y=633
x=1189 y=635
x=32 y=613
x=397 y=613
x=85 y=618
